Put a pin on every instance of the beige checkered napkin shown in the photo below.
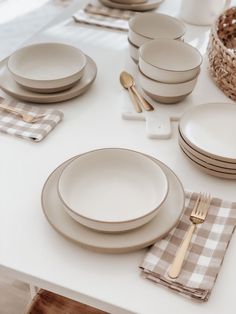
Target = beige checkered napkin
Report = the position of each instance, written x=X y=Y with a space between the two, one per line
x=99 y=15
x=14 y=125
x=205 y=255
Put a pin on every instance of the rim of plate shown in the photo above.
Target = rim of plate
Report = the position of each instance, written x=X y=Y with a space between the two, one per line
x=105 y=221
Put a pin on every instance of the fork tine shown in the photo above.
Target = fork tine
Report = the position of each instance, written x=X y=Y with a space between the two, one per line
x=194 y=211
x=202 y=199
x=205 y=205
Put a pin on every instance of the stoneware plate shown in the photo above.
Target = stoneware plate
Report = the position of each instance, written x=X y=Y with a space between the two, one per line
x=10 y=87
x=207 y=170
x=210 y=129
x=112 y=189
x=47 y=66
x=206 y=159
x=146 y=6
x=206 y=165
x=166 y=218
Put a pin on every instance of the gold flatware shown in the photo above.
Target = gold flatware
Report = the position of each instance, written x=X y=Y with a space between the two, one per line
x=143 y=102
x=25 y=117
x=198 y=216
x=127 y=83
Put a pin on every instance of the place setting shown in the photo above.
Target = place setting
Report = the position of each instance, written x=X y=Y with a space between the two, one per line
x=135 y=201
x=43 y=73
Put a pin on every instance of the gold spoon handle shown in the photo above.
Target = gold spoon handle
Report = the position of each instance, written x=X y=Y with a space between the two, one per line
x=134 y=101
x=144 y=103
x=9 y=109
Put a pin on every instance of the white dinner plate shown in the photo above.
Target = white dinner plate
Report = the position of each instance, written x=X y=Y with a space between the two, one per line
x=206 y=159
x=112 y=189
x=157 y=228
x=211 y=130
x=146 y=6
x=207 y=170
x=10 y=87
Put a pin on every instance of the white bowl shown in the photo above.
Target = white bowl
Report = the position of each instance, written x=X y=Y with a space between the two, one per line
x=129 y=1
x=166 y=92
x=148 y=26
x=47 y=66
x=112 y=190
x=169 y=61
x=133 y=51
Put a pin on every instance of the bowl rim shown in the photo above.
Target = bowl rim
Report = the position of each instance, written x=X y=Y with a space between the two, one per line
x=105 y=221
x=157 y=14
x=132 y=44
x=170 y=40
x=84 y=62
x=165 y=83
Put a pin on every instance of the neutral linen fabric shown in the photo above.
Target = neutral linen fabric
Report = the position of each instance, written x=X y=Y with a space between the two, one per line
x=99 y=15
x=14 y=125
x=205 y=254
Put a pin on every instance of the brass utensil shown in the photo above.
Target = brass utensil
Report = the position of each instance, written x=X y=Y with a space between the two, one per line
x=198 y=216
x=127 y=83
x=25 y=117
x=142 y=101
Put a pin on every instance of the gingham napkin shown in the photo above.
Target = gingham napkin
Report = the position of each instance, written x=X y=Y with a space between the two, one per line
x=99 y=15
x=14 y=125
x=205 y=254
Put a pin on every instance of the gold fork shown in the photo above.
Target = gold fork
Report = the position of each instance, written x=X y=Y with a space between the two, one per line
x=198 y=216
x=25 y=117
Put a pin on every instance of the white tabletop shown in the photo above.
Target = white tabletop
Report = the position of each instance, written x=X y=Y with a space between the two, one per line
x=32 y=251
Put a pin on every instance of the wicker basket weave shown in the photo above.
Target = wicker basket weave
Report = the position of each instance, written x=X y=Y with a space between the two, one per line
x=222 y=52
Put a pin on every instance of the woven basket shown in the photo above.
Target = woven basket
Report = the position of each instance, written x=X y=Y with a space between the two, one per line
x=222 y=52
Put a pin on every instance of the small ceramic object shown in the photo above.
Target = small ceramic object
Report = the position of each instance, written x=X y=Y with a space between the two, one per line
x=169 y=61
x=148 y=26
x=47 y=66
x=113 y=189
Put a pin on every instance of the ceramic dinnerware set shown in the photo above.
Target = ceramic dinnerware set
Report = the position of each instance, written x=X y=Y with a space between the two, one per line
x=168 y=67
x=47 y=73
x=207 y=138
x=113 y=199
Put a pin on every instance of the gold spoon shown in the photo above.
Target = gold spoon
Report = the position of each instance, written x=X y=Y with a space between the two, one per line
x=25 y=117
x=144 y=103
x=127 y=83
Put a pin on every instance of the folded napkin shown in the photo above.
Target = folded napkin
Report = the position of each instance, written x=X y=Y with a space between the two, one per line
x=14 y=125
x=205 y=255
x=99 y=15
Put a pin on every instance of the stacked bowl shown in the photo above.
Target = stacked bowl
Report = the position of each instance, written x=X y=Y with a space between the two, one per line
x=47 y=67
x=168 y=67
x=47 y=73
x=113 y=200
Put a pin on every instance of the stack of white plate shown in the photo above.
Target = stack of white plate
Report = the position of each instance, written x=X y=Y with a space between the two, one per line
x=207 y=136
x=113 y=200
x=47 y=72
x=132 y=5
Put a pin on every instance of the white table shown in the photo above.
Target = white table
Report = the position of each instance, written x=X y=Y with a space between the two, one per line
x=33 y=252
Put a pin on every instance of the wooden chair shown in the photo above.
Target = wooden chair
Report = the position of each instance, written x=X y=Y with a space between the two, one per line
x=46 y=302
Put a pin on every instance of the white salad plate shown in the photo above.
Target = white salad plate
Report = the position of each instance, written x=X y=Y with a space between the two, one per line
x=12 y=88
x=112 y=189
x=210 y=129
x=166 y=218
x=206 y=169
x=145 y=6
x=214 y=162
x=47 y=67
